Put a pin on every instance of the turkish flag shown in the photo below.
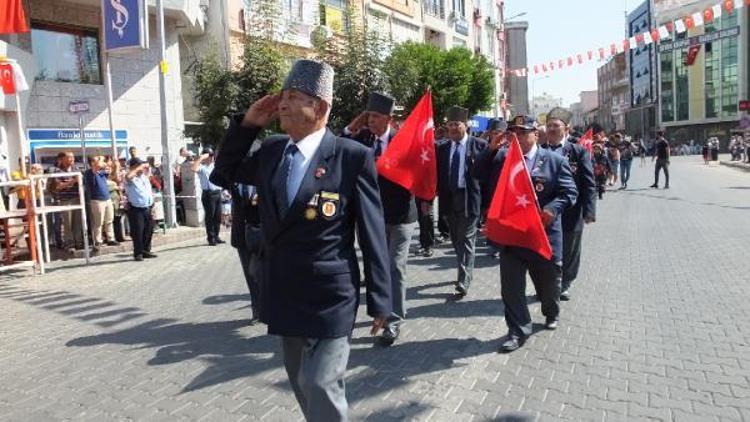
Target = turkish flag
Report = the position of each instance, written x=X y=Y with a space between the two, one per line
x=693 y=51
x=513 y=218
x=587 y=141
x=12 y=17
x=6 y=79
x=410 y=159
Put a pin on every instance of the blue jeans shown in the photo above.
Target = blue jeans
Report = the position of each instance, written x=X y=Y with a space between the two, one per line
x=625 y=171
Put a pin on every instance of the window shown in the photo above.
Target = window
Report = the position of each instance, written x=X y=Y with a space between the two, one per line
x=712 y=81
x=681 y=82
x=459 y=8
x=66 y=54
x=729 y=82
x=293 y=9
x=434 y=8
x=667 y=83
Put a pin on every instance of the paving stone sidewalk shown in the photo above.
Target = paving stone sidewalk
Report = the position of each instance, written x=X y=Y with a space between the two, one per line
x=658 y=329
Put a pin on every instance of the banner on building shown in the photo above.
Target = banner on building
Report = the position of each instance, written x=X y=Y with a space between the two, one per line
x=125 y=24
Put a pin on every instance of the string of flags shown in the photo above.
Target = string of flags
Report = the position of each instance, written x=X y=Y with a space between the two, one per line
x=653 y=36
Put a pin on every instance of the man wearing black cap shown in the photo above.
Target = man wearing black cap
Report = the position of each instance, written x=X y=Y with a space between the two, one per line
x=210 y=195
x=399 y=208
x=314 y=189
x=584 y=209
x=140 y=201
x=460 y=192
x=556 y=191
x=495 y=134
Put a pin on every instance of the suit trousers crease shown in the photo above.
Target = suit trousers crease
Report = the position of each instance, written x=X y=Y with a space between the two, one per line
x=212 y=214
x=426 y=225
x=545 y=275
x=463 y=234
x=316 y=369
x=398 y=237
x=141 y=229
x=571 y=257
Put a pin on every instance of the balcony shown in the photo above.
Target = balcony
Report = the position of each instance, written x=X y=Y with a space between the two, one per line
x=434 y=8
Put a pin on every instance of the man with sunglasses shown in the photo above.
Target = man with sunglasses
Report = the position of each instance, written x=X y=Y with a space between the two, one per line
x=555 y=191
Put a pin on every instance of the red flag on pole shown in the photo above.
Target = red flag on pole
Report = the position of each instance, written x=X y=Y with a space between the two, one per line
x=513 y=218
x=12 y=17
x=410 y=159
x=587 y=141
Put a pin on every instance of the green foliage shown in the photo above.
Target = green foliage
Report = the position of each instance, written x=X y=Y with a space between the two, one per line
x=456 y=76
x=358 y=59
x=215 y=91
x=262 y=72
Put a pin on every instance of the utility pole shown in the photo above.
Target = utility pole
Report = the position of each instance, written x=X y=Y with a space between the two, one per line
x=169 y=197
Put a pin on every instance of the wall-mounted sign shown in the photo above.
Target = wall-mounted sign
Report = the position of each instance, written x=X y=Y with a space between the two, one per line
x=125 y=24
x=76 y=107
x=700 y=39
x=462 y=27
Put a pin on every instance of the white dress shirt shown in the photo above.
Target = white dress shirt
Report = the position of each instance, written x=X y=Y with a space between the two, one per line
x=308 y=146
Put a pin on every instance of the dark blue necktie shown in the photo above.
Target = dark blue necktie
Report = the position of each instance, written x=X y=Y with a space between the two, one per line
x=282 y=178
x=455 y=167
x=378 y=148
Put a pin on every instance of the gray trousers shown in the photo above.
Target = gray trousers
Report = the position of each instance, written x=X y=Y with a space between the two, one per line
x=316 y=369
x=571 y=257
x=463 y=233
x=399 y=238
x=545 y=274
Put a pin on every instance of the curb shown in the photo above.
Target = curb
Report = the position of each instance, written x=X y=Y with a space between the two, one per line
x=736 y=165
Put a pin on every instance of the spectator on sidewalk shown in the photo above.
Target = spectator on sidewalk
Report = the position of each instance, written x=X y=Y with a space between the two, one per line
x=64 y=190
x=140 y=201
x=95 y=182
x=210 y=197
x=116 y=194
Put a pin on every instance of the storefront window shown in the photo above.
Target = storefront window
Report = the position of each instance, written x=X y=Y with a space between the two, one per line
x=66 y=54
x=667 y=83
x=682 y=88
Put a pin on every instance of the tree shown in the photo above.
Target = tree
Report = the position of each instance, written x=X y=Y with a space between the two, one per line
x=215 y=92
x=262 y=71
x=456 y=76
x=357 y=58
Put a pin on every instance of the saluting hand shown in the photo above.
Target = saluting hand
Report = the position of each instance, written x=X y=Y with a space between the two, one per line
x=262 y=112
x=377 y=325
x=357 y=123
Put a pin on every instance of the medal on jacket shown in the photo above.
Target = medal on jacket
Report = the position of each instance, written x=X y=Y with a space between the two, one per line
x=329 y=203
x=320 y=172
x=311 y=212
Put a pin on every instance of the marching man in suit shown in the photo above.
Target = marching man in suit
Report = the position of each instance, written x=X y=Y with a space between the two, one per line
x=313 y=188
x=555 y=191
x=398 y=203
x=584 y=208
x=460 y=193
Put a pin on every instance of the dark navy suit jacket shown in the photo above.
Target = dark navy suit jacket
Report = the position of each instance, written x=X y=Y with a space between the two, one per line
x=309 y=271
x=398 y=203
x=474 y=146
x=555 y=189
x=579 y=161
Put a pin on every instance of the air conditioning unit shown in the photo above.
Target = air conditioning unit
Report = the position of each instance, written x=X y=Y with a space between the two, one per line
x=491 y=22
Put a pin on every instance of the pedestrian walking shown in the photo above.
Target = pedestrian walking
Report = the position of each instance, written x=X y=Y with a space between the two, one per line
x=210 y=196
x=460 y=193
x=583 y=210
x=627 y=151
x=140 y=200
x=372 y=128
x=662 y=160
x=601 y=169
x=314 y=189
x=556 y=191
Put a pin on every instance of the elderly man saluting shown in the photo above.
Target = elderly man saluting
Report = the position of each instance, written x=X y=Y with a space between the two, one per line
x=313 y=188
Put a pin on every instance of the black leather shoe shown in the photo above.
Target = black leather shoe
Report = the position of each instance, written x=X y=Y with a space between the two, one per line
x=511 y=343
x=211 y=243
x=565 y=295
x=389 y=336
x=149 y=255
x=666 y=186
x=112 y=243
x=427 y=253
x=462 y=289
x=552 y=323
x=138 y=258
x=219 y=241
x=655 y=186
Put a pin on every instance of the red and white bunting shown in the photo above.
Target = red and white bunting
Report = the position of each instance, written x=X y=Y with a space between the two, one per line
x=655 y=35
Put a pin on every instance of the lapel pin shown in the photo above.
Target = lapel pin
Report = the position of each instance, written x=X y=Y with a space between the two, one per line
x=320 y=172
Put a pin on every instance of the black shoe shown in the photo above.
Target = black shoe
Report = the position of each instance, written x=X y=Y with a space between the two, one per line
x=389 y=336
x=462 y=289
x=565 y=295
x=149 y=255
x=495 y=254
x=511 y=343
x=219 y=241
x=427 y=253
x=655 y=186
x=139 y=258
x=112 y=243
x=211 y=243
x=552 y=323
x=666 y=186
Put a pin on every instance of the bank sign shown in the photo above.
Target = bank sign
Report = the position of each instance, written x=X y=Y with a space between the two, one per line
x=700 y=39
x=125 y=24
